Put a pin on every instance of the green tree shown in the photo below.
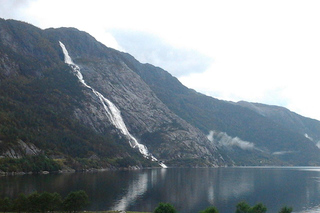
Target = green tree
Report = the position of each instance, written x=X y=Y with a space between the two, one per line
x=165 y=208
x=5 y=204
x=258 y=208
x=45 y=199
x=55 y=203
x=286 y=209
x=211 y=209
x=75 y=201
x=20 y=204
x=34 y=204
x=242 y=207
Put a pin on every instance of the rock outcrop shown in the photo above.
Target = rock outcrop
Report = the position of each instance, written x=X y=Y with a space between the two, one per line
x=20 y=150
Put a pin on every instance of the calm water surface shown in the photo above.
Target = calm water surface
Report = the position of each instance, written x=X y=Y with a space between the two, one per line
x=189 y=190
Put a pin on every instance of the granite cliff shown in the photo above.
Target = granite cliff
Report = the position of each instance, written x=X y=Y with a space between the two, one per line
x=79 y=104
x=33 y=55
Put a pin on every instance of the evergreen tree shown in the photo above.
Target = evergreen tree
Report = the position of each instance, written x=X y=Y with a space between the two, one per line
x=242 y=207
x=211 y=209
x=5 y=204
x=34 y=204
x=286 y=209
x=45 y=199
x=75 y=201
x=165 y=208
x=21 y=203
x=258 y=208
x=55 y=203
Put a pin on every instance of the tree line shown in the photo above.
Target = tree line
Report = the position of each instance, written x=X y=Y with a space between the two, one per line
x=77 y=200
x=45 y=202
x=241 y=207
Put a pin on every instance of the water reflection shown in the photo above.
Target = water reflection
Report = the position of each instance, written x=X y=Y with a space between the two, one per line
x=189 y=190
x=235 y=183
x=313 y=210
x=136 y=189
x=186 y=189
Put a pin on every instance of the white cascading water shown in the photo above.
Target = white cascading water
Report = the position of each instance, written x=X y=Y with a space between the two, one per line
x=111 y=110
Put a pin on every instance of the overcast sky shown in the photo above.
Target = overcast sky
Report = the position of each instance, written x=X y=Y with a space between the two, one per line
x=253 y=50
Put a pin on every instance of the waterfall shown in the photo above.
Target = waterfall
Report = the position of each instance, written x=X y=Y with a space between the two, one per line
x=111 y=110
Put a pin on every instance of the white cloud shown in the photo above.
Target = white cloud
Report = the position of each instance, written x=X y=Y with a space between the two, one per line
x=265 y=52
x=149 y=48
x=318 y=144
x=283 y=152
x=307 y=136
x=13 y=8
x=262 y=51
x=222 y=139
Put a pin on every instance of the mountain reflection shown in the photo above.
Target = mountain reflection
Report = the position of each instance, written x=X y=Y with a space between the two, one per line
x=184 y=188
x=188 y=189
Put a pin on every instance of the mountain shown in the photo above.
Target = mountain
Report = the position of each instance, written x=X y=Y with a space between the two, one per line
x=309 y=128
x=245 y=135
x=69 y=102
x=44 y=104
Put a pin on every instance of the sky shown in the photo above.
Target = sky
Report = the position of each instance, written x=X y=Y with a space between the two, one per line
x=253 y=50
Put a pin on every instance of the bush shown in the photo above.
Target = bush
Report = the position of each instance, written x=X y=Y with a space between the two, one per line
x=40 y=202
x=21 y=203
x=211 y=209
x=285 y=209
x=5 y=204
x=258 y=208
x=34 y=204
x=243 y=207
x=75 y=201
x=165 y=208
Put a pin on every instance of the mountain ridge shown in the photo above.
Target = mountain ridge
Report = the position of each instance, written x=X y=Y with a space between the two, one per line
x=186 y=136
x=208 y=113
x=306 y=126
x=178 y=125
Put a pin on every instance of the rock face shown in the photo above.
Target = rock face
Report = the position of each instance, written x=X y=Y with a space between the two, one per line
x=20 y=150
x=43 y=103
x=35 y=56
x=167 y=136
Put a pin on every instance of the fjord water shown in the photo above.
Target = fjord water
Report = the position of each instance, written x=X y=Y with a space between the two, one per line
x=189 y=190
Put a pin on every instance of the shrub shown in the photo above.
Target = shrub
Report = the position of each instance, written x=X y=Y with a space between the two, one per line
x=165 y=208
x=285 y=209
x=211 y=209
x=75 y=201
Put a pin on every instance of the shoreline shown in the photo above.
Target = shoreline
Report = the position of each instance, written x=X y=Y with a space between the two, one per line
x=66 y=171
x=133 y=168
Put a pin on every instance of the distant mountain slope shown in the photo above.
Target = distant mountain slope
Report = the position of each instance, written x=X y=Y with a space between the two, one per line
x=310 y=128
x=274 y=143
